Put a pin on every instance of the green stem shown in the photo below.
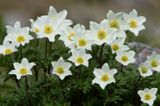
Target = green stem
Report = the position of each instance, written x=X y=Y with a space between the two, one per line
x=61 y=85
x=100 y=58
x=16 y=80
x=27 y=87
x=46 y=46
x=21 y=54
x=45 y=57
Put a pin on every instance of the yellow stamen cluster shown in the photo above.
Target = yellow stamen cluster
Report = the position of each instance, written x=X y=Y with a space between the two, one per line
x=115 y=47
x=82 y=42
x=124 y=58
x=60 y=70
x=8 y=51
x=71 y=35
x=23 y=71
x=105 y=77
x=20 y=38
x=48 y=29
x=101 y=34
x=154 y=63
x=144 y=70
x=80 y=60
x=147 y=96
x=114 y=24
x=133 y=23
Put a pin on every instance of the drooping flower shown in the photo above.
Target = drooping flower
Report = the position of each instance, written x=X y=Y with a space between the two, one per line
x=134 y=23
x=145 y=69
x=61 y=68
x=7 y=48
x=101 y=33
x=79 y=57
x=22 y=69
x=104 y=76
x=18 y=35
x=125 y=57
x=148 y=95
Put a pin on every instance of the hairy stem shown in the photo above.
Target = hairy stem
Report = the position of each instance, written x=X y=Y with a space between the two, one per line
x=100 y=58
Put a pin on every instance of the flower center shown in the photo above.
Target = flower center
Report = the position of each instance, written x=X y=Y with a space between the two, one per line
x=124 y=58
x=36 y=30
x=101 y=34
x=105 y=77
x=23 y=71
x=147 y=96
x=133 y=23
x=71 y=35
x=60 y=70
x=154 y=63
x=20 y=38
x=80 y=60
x=114 y=24
x=82 y=42
x=8 y=51
x=115 y=47
x=144 y=70
x=48 y=29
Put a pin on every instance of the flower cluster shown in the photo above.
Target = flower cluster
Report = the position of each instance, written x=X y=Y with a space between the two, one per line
x=110 y=32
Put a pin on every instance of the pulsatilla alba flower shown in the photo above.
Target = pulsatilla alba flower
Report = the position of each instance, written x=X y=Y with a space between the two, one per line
x=104 y=76
x=101 y=33
x=115 y=20
x=67 y=36
x=61 y=68
x=154 y=61
x=79 y=57
x=81 y=39
x=125 y=57
x=76 y=37
x=22 y=69
x=148 y=95
x=7 y=48
x=48 y=26
x=18 y=35
x=117 y=45
x=145 y=69
x=134 y=23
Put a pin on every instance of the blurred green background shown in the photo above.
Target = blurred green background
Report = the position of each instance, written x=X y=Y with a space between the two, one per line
x=80 y=11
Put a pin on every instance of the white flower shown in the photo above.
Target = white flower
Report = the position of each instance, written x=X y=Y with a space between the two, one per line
x=134 y=23
x=148 y=95
x=125 y=57
x=79 y=57
x=119 y=34
x=101 y=33
x=117 y=45
x=18 y=35
x=115 y=20
x=7 y=48
x=48 y=26
x=154 y=61
x=76 y=37
x=22 y=69
x=67 y=37
x=104 y=76
x=81 y=39
x=145 y=69
x=61 y=68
